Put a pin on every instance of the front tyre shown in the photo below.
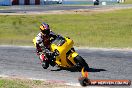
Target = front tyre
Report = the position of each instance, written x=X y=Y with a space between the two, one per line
x=80 y=63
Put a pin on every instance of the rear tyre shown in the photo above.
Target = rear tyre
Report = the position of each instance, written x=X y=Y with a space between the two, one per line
x=80 y=63
x=45 y=64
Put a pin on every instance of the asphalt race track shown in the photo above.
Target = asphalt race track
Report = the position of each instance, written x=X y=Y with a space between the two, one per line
x=44 y=8
x=104 y=64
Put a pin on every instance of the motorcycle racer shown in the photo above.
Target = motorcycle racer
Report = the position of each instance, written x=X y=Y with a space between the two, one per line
x=43 y=41
x=57 y=50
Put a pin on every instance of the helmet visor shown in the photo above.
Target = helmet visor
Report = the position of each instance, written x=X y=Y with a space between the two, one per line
x=46 y=31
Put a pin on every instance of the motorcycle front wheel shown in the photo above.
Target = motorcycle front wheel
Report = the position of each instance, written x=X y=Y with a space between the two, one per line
x=80 y=63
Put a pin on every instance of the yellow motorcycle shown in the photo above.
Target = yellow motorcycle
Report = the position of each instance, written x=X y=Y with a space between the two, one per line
x=65 y=55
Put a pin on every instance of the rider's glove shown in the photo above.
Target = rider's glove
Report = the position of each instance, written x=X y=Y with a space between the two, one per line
x=49 y=53
x=55 y=53
x=58 y=35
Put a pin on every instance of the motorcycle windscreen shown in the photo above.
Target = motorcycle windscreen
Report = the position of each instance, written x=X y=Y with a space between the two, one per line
x=59 y=41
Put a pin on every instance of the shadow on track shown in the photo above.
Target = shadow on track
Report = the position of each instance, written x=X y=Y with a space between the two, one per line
x=75 y=70
x=96 y=70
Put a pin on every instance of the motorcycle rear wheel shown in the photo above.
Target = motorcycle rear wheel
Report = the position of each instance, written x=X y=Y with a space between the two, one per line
x=80 y=63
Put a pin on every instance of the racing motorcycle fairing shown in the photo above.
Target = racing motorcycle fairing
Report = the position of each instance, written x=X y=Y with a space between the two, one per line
x=64 y=54
x=64 y=46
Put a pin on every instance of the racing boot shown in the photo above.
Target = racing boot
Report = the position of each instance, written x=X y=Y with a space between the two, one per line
x=44 y=61
x=52 y=61
x=52 y=57
x=45 y=64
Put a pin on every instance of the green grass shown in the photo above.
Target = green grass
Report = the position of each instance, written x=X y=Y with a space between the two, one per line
x=108 y=29
x=4 y=83
x=24 y=83
x=4 y=7
x=128 y=1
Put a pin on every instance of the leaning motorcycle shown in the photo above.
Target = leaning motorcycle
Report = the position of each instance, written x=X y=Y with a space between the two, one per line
x=64 y=55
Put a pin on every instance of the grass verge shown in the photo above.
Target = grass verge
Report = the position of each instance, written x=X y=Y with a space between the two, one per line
x=107 y=29
x=4 y=7
x=128 y=1
x=25 y=83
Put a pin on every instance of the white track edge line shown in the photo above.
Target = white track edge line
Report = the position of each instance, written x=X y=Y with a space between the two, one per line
x=77 y=48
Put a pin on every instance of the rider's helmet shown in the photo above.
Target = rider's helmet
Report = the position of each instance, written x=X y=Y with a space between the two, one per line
x=45 y=28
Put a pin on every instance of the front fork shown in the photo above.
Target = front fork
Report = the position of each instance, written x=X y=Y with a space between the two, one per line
x=72 y=56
